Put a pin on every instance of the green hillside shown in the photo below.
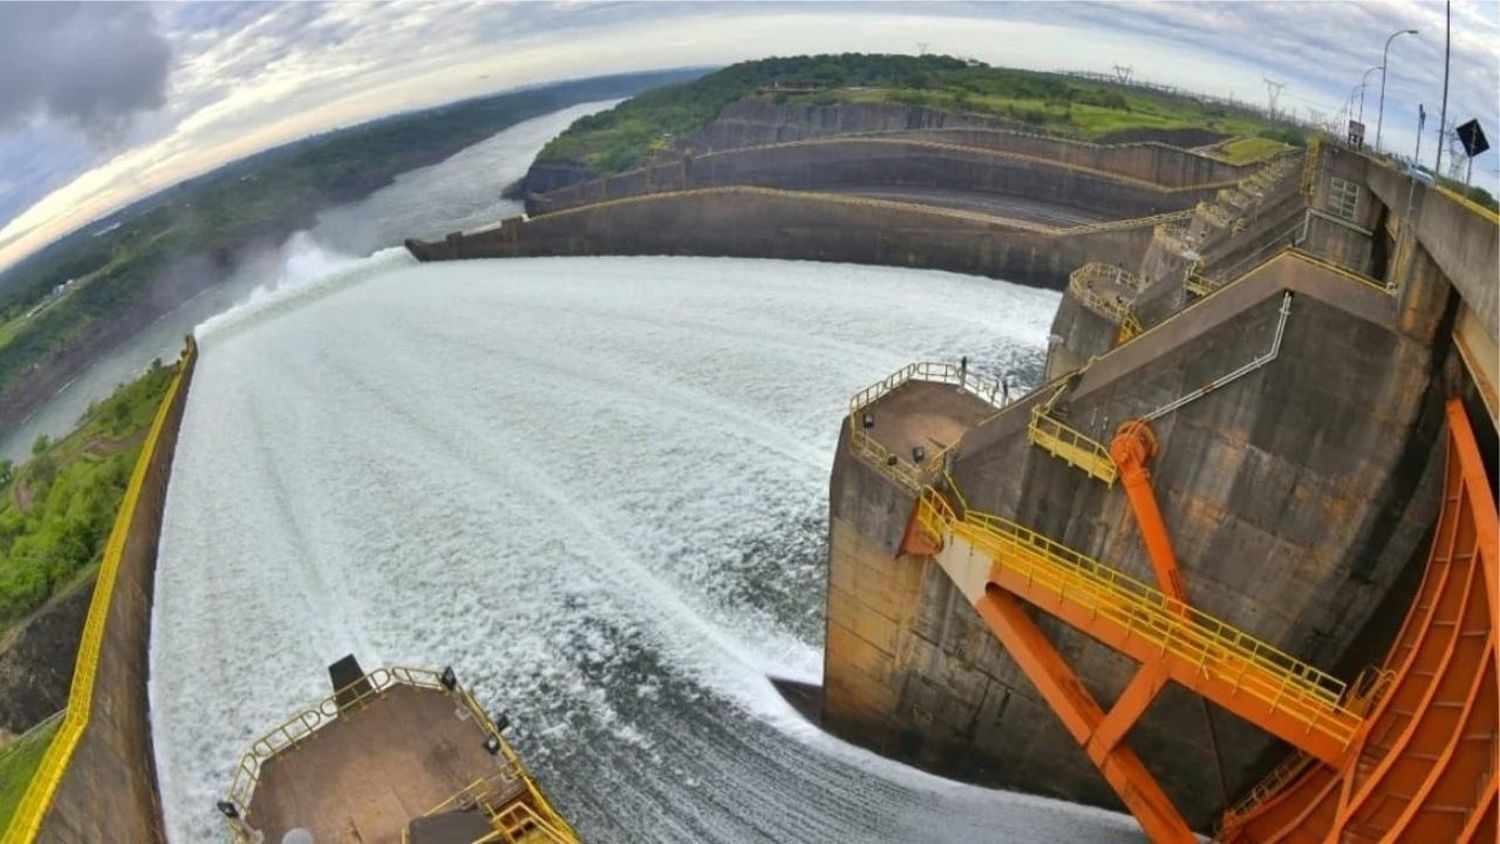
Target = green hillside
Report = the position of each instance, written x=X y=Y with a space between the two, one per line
x=620 y=138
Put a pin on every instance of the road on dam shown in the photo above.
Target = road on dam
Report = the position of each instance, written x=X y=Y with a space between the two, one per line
x=598 y=488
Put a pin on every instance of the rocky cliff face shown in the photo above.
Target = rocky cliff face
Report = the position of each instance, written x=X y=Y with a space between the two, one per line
x=36 y=665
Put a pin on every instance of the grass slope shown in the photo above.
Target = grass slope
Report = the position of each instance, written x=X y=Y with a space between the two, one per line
x=18 y=762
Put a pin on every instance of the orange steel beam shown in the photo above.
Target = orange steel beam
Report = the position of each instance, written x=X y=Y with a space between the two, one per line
x=1133 y=445
x=1101 y=735
x=1265 y=715
x=1424 y=766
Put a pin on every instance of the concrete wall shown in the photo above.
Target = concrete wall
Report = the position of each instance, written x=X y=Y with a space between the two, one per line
x=1040 y=168
x=1294 y=498
x=761 y=223
x=108 y=790
x=1463 y=242
x=1165 y=165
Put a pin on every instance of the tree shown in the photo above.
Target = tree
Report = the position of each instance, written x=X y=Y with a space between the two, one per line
x=7 y=471
x=40 y=445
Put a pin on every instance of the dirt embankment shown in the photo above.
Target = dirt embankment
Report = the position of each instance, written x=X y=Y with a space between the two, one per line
x=36 y=660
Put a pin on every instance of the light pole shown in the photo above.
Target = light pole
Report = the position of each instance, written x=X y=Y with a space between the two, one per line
x=1384 y=61
x=1362 y=82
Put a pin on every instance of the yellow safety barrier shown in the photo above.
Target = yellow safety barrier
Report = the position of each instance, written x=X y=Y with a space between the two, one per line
x=37 y=800
x=1203 y=285
x=1139 y=611
x=300 y=727
x=1081 y=283
x=1486 y=213
x=1095 y=272
x=1070 y=445
x=912 y=476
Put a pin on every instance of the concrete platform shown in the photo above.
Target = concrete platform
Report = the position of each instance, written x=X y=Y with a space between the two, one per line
x=922 y=413
x=363 y=777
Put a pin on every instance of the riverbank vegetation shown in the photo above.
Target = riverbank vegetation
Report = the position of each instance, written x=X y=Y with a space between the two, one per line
x=136 y=264
x=622 y=137
x=18 y=762
x=57 y=509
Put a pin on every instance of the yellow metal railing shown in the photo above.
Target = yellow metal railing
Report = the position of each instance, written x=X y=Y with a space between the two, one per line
x=1071 y=446
x=301 y=726
x=1095 y=272
x=37 y=800
x=898 y=468
x=1067 y=443
x=1115 y=309
x=1215 y=648
x=1202 y=285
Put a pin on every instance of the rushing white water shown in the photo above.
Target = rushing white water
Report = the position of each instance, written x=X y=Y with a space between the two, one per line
x=598 y=487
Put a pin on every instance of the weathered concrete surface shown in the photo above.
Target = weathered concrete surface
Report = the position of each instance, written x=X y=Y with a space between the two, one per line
x=762 y=223
x=108 y=792
x=1464 y=243
x=36 y=663
x=1294 y=497
x=757 y=121
x=1151 y=161
x=1112 y=192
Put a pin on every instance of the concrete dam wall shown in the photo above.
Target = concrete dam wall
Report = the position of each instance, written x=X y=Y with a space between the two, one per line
x=863 y=164
x=1151 y=155
x=1294 y=497
x=97 y=781
x=752 y=222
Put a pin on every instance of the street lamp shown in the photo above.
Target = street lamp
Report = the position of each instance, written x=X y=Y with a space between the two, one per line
x=1384 y=61
x=1363 y=80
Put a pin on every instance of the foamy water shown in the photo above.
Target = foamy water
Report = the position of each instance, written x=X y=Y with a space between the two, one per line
x=598 y=488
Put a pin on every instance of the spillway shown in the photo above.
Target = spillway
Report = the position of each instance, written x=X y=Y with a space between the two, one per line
x=598 y=488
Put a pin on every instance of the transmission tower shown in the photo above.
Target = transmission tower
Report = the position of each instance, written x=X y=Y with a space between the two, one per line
x=1122 y=73
x=1273 y=91
x=921 y=48
x=1456 y=156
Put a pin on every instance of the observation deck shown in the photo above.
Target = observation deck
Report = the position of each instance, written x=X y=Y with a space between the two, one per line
x=399 y=755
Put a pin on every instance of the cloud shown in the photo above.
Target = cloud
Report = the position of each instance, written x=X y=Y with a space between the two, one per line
x=245 y=76
x=92 y=66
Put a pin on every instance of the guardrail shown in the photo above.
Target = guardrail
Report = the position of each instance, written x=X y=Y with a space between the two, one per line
x=1081 y=284
x=303 y=725
x=1137 y=610
x=32 y=810
x=988 y=390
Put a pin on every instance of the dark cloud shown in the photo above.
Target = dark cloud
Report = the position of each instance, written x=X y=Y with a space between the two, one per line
x=91 y=65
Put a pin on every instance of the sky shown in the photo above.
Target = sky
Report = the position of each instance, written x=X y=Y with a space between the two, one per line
x=105 y=103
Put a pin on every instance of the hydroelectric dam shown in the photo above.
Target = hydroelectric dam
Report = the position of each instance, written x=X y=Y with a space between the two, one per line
x=1204 y=533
